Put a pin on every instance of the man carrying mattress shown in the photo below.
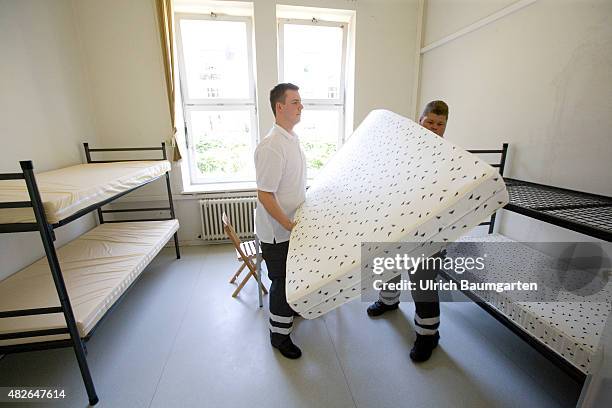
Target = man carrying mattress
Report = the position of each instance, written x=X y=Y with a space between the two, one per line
x=426 y=302
x=280 y=168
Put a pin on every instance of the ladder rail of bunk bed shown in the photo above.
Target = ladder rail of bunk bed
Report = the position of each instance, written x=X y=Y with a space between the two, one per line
x=501 y=165
x=48 y=237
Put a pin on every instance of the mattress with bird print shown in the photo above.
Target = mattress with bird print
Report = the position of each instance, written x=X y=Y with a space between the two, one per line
x=392 y=181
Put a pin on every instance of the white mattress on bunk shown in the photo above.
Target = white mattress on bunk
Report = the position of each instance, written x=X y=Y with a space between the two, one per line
x=68 y=190
x=571 y=327
x=392 y=181
x=97 y=267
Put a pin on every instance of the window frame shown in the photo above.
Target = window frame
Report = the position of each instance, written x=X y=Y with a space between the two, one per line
x=319 y=104
x=215 y=104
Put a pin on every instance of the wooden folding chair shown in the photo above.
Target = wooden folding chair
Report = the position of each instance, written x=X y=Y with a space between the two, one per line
x=245 y=252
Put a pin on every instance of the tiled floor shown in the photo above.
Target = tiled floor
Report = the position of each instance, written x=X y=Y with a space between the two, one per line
x=178 y=339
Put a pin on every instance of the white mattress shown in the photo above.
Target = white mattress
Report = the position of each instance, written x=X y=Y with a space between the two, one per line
x=97 y=267
x=68 y=190
x=571 y=327
x=392 y=181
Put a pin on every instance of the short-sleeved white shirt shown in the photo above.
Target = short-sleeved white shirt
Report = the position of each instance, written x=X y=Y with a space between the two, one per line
x=280 y=168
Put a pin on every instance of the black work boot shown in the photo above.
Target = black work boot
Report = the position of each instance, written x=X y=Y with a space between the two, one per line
x=377 y=308
x=288 y=349
x=423 y=347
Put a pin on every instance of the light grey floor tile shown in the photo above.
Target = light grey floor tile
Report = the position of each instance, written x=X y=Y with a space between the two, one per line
x=465 y=370
x=222 y=355
x=534 y=366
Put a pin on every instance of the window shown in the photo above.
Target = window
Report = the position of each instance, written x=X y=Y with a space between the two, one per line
x=218 y=91
x=312 y=55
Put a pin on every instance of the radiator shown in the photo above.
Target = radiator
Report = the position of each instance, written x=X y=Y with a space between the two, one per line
x=240 y=211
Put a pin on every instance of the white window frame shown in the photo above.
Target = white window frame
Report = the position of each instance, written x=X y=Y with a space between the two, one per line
x=338 y=103
x=191 y=105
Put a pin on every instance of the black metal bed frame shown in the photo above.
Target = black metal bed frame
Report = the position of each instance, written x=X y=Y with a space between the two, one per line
x=501 y=165
x=48 y=237
x=586 y=213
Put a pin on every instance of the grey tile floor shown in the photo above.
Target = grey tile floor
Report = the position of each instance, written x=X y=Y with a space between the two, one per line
x=178 y=339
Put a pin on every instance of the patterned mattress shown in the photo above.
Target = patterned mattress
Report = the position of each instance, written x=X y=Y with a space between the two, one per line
x=392 y=181
x=571 y=326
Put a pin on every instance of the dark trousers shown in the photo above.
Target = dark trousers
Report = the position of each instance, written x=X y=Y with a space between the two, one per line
x=281 y=315
x=426 y=302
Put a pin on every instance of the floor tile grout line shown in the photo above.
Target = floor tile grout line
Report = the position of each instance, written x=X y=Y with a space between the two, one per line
x=348 y=385
x=178 y=330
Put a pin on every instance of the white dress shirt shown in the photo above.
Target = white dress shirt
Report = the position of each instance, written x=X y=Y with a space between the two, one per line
x=280 y=167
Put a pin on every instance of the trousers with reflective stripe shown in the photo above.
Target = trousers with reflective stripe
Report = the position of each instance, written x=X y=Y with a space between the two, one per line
x=426 y=302
x=281 y=315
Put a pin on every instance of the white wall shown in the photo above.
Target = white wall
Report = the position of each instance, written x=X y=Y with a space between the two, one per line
x=384 y=56
x=44 y=106
x=444 y=17
x=123 y=58
x=540 y=79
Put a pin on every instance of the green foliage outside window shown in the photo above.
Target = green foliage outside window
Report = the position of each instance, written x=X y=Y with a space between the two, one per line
x=318 y=153
x=217 y=156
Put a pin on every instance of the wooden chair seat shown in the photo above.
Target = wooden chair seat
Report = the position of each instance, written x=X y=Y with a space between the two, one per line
x=249 y=249
x=245 y=252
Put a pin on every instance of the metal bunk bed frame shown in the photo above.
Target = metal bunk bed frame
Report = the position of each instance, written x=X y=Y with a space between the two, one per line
x=586 y=213
x=48 y=237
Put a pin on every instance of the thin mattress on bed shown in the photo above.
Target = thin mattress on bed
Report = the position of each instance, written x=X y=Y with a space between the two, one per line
x=97 y=268
x=572 y=326
x=68 y=190
x=392 y=181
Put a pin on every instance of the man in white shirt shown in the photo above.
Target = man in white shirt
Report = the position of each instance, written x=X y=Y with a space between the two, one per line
x=280 y=168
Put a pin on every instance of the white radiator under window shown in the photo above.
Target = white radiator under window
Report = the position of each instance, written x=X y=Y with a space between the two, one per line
x=240 y=211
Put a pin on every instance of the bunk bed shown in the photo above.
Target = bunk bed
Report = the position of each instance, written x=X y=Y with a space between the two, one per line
x=89 y=274
x=567 y=331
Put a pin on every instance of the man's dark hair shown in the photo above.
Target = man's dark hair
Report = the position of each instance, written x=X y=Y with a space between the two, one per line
x=437 y=108
x=277 y=94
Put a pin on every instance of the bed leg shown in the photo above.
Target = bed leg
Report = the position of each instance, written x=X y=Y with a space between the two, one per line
x=46 y=235
x=79 y=350
x=492 y=224
x=176 y=246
